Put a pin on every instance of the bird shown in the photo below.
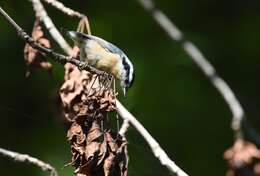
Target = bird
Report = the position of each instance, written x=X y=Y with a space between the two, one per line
x=104 y=56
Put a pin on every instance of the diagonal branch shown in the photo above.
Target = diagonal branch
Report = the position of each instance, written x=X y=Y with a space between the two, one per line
x=195 y=54
x=29 y=159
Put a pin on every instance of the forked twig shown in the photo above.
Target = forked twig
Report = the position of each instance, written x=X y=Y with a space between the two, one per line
x=123 y=112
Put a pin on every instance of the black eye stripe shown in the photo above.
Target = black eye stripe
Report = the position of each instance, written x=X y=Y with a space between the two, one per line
x=128 y=82
x=127 y=69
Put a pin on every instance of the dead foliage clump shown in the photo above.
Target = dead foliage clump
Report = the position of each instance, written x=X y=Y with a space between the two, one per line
x=243 y=159
x=96 y=151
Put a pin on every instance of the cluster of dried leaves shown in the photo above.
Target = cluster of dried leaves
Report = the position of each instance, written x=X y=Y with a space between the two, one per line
x=34 y=58
x=95 y=151
x=243 y=159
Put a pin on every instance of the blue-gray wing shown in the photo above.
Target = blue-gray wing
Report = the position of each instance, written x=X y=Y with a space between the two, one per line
x=107 y=45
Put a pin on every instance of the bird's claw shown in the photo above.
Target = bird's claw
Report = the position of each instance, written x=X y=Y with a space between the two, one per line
x=83 y=66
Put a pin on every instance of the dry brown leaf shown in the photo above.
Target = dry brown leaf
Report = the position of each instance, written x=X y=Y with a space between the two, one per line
x=34 y=57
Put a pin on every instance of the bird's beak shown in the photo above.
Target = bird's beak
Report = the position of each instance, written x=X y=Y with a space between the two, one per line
x=124 y=91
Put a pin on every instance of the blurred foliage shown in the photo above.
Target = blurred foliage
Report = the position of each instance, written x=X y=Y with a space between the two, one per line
x=171 y=96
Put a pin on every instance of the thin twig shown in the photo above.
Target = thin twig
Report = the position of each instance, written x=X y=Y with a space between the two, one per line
x=154 y=145
x=66 y=10
x=70 y=12
x=195 y=54
x=26 y=158
x=54 y=55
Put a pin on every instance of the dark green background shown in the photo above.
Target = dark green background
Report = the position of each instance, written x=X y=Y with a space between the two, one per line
x=171 y=96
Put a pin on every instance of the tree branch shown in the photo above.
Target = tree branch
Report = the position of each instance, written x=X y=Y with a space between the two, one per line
x=26 y=158
x=195 y=54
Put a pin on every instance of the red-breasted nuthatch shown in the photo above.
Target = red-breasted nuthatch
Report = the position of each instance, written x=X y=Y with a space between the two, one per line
x=105 y=56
